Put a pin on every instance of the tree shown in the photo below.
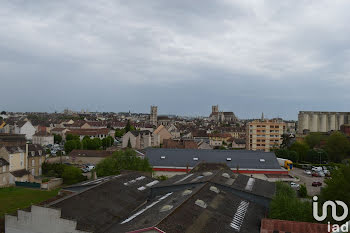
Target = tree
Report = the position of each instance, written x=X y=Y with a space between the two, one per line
x=337 y=188
x=122 y=160
x=337 y=147
x=313 y=139
x=72 y=137
x=119 y=133
x=286 y=206
x=72 y=175
x=302 y=191
x=129 y=127
x=3 y=113
x=69 y=146
x=301 y=149
x=287 y=154
x=57 y=138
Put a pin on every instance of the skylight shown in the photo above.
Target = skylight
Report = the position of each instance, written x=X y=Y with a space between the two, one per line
x=228 y=159
x=162 y=157
x=195 y=159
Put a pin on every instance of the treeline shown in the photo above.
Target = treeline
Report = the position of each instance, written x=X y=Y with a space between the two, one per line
x=122 y=160
x=73 y=142
x=316 y=148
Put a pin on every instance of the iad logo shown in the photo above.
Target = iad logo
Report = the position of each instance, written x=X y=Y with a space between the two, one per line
x=335 y=227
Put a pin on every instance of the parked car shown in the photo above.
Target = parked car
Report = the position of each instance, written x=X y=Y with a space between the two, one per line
x=321 y=174
x=294 y=185
x=315 y=174
x=317 y=169
x=308 y=172
x=89 y=167
x=316 y=183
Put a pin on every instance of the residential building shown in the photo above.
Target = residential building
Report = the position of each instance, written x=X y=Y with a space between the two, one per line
x=218 y=139
x=204 y=145
x=313 y=121
x=264 y=134
x=92 y=133
x=43 y=138
x=163 y=133
x=237 y=143
x=4 y=172
x=7 y=139
x=36 y=157
x=345 y=129
x=141 y=139
x=60 y=131
x=16 y=157
x=164 y=120
x=179 y=144
x=173 y=130
x=24 y=127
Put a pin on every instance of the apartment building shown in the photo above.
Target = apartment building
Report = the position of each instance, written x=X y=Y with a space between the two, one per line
x=264 y=134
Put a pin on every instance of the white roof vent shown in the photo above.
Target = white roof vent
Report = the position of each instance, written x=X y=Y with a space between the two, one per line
x=186 y=192
x=262 y=160
x=201 y=203
x=162 y=157
x=166 y=208
x=228 y=159
x=207 y=173
x=226 y=175
x=195 y=159
x=214 y=189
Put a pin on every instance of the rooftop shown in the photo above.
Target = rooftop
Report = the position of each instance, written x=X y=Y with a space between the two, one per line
x=243 y=159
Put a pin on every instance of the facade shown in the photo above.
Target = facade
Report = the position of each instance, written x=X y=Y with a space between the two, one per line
x=312 y=121
x=264 y=134
x=43 y=138
x=7 y=139
x=153 y=116
x=16 y=158
x=25 y=128
x=4 y=172
x=141 y=139
x=219 y=139
x=36 y=157
x=163 y=133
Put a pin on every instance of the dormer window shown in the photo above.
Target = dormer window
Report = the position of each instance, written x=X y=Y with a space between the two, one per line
x=39 y=152
x=33 y=153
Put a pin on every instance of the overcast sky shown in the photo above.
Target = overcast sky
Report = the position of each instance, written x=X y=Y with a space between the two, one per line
x=276 y=57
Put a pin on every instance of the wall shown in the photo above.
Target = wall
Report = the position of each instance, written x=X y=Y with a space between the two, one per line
x=4 y=176
x=27 y=129
x=39 y=220
x=51 y=184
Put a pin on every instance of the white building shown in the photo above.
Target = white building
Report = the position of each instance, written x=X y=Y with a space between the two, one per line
x=43 y=138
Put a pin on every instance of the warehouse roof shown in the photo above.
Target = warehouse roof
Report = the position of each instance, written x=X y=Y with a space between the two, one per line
x=243 y=159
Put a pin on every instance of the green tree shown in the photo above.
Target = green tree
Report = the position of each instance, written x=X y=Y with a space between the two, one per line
x=337 y=146
x=286 y=206
x=129 y=127
x=72 y=175
x=287 y=154
x=302 y=191
x=301 y=149
x=122 y=160
x=338 y=187
x=69 y=146
x=70 y=137
x=57 y=138
x=313 y=139
x=119 y=133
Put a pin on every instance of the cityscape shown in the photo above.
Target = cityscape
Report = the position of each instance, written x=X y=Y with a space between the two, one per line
x=174 y=116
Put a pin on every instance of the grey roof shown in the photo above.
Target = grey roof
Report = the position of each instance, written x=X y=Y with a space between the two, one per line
x=103 y=204
x=244 y=159
x=3 y=162
x=20 y=173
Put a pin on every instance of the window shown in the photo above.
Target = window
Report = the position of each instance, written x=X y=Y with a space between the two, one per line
x=4 y=169
x=33 y=162
x=39 y=152
x=33 y=153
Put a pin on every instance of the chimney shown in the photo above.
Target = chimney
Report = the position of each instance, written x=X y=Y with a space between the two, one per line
x=26 y=156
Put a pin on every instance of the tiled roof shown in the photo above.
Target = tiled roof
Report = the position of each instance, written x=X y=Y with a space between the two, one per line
x=283 y=226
